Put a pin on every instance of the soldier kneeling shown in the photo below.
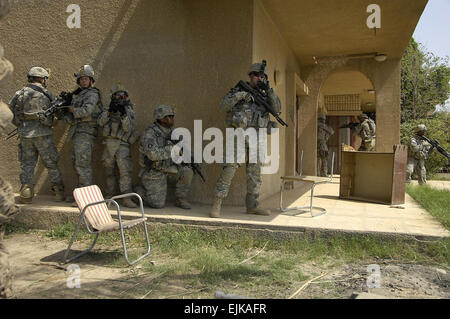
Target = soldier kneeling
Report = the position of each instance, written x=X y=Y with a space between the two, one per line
x=156 y=162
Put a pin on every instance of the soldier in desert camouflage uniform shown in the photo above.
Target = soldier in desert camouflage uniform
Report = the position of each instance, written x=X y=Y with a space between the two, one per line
x=243 y=113
x=418 y=151
x=82 y=116
x=119 y=131
x=36 y=134
x=156 y=162
x=7 y=206
x=366 y=130
x=323 y=134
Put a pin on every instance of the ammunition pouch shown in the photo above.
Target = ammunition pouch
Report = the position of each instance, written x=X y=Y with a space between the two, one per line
x=157 y=165
x=31 y=116
x=260 y=119
x=239 y=120
x=134 y=137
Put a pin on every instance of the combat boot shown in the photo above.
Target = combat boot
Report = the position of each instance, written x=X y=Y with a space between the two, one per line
x=258 y=211
x=182 y=203
x=215 y=211
x=26 y=194
x=127 y=202
x=58 y=190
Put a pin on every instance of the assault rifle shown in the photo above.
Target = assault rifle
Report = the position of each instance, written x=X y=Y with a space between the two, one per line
x=260 y=99
x=63 y=102
x=435 y=144
x=195 y=166
x=350 y=125
x=117 y=108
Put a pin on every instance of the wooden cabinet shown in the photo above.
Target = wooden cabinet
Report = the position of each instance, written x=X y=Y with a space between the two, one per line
x=374 y=177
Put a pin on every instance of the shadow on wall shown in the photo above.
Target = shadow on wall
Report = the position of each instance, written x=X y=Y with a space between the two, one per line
x=167 y=52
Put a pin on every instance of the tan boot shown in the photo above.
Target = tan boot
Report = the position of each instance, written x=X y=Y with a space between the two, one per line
x=58 y=189
x=215 y=211
x=127 y=202
x=26 y=194
x=258 y=211
x=182 y=203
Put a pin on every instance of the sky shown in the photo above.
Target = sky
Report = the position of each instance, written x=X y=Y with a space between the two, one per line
x=433 y=30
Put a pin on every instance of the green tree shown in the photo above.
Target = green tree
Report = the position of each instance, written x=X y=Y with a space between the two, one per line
x=424 y=82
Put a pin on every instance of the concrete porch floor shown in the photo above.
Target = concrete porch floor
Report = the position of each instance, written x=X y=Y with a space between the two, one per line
x=344 y=216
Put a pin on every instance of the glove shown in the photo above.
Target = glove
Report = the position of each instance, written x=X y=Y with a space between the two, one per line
x=66 y=97
x=115 y=107
x=247 y=97
x=264 y=85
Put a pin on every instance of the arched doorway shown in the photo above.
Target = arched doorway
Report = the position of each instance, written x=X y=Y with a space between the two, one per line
x=344 y=95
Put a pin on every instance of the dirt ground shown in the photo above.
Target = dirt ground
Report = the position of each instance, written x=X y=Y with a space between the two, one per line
x=38 y=275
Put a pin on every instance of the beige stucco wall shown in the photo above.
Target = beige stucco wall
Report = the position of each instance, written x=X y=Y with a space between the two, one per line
x=385 y=77
x=269 y=44
x=180 y=52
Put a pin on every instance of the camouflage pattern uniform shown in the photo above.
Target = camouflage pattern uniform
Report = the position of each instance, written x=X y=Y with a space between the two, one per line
x=36 y=138
x=323 y=134
x=243 y=113
x=7 y=206
x=119 y=133
x=366 y=130
x=7 y=211
x=418 y=152
x=83 y=121
x=156 y=162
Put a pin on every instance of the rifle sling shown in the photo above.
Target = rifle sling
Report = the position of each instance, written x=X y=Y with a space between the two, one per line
x=40 y=90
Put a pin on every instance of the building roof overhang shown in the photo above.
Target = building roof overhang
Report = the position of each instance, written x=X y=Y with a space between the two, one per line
x=326 y=28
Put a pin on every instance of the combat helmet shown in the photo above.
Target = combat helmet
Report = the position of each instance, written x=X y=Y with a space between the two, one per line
x=257 y=67
x=37 y=72
x=364 y=116
x=420 y=128
x=162 y=111
x=85 y=70
x=119 y=88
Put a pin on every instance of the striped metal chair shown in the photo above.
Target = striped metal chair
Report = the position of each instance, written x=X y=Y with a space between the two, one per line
x=97 y=218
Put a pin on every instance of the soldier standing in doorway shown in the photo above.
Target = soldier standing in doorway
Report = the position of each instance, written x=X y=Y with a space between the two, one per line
x=366 y=130
x=324 y=132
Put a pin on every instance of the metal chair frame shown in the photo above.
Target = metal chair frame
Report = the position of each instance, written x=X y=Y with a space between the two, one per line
x=310 y=206
x=97 y=233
